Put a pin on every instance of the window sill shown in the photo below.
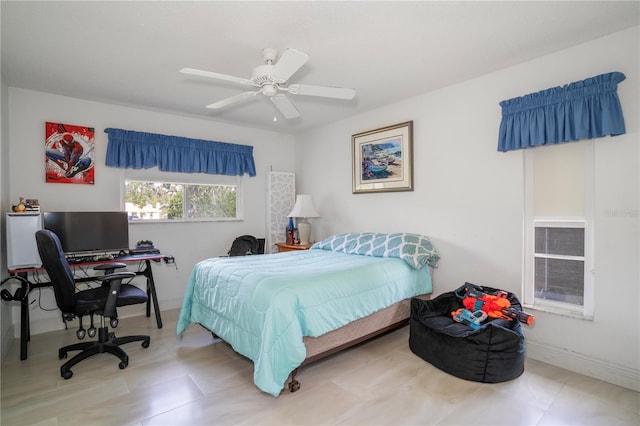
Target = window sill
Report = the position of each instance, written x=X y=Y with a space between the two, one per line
x=137 y=221
x=556 y=310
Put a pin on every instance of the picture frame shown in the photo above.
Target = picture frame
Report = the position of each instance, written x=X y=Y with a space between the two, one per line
x=69 y=154
x=383 y=159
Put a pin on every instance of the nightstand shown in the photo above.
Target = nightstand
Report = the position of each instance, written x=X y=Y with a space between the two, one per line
x=282 y=247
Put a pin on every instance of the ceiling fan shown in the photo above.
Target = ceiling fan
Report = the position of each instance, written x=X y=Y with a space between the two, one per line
x=271 y=79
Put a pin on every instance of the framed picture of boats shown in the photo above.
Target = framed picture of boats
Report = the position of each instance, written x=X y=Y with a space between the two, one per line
x=383 y=159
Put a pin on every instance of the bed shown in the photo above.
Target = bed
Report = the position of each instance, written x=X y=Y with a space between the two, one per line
x=283 y=310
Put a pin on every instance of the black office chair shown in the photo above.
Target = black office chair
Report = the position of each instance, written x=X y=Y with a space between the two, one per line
x=246 y=245
x=101 y=300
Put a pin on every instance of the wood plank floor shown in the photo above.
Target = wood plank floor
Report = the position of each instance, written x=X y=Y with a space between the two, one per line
x=200 y=381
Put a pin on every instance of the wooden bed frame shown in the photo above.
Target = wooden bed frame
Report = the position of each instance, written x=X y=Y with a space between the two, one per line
x=383 y=321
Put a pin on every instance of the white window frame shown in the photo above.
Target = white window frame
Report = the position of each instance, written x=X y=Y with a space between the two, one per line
x=586 y=311
x=154 y=175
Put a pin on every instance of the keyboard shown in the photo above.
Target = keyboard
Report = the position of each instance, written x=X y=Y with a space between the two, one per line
x=79 y=259
x=74 y=260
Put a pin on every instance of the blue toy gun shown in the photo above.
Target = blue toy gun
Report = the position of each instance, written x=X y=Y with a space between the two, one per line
x=472 y=319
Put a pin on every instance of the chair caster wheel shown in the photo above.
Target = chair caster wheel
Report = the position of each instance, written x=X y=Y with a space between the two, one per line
x=62 y=355
x=145 y=343
x=294 y=386
x=122 y=365
x=66 y=374
x=92 y=332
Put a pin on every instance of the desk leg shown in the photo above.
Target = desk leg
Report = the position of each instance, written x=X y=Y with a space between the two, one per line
x=151 y=291
x=149 y=298
x=25 y=329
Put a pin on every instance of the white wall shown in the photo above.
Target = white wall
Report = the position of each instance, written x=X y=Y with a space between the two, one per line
x=6 y=325
x=188 y=242
x=469 y=198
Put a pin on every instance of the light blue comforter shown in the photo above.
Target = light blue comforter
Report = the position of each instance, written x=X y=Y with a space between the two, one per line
x=263 y=305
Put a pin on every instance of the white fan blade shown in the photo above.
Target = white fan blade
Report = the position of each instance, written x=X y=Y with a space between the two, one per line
x=233 y=99
x=209 y=74
x=290 y=62
x=323 y=91
x=284 y=105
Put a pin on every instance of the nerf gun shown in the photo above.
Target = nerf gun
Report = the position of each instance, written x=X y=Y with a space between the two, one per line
x=495 y=306
x=472 y=319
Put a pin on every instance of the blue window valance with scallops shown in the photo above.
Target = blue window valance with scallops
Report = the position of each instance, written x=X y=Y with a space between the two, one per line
x=584 y=109
x=140 y=150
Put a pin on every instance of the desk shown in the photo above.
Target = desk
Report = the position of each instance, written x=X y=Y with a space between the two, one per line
x=25 y=332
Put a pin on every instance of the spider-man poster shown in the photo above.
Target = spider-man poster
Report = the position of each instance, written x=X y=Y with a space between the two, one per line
x=69 y=153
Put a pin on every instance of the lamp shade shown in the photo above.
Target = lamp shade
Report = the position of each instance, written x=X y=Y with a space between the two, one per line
x=304 y=207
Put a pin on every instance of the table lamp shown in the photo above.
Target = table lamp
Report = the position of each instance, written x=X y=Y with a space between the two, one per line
x=302 y=210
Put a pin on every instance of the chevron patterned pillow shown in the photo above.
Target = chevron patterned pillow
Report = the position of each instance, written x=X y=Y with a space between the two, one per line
x=414 y=249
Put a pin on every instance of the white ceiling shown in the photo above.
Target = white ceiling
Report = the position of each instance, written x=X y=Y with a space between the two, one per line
x=129 y=53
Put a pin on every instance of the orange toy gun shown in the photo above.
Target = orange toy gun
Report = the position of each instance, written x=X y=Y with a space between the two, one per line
x=496 y=306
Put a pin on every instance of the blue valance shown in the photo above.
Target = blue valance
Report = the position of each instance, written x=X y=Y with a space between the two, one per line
x=138 y=150
x=584 y=109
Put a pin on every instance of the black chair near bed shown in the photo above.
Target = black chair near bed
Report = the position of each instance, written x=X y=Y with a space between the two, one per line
x=101 y=300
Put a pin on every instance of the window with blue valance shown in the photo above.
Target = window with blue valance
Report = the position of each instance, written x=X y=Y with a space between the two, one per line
x=584 y=109
x=139 y=150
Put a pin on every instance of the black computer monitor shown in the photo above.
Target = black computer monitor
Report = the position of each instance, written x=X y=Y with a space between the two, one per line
x=89 y=231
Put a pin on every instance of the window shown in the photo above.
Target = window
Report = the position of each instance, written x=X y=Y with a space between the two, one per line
x=559 y=262
x=168 y=201
x=558 y=254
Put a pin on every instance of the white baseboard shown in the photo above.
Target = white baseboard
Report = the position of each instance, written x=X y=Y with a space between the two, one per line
x=45 y=325
x=172 y=304
x=617 y=374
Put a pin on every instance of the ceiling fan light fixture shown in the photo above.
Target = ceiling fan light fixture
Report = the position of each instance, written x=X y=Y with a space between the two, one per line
x=269 y=89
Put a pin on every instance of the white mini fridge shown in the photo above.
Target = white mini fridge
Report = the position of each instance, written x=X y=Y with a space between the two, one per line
x=22 y=251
